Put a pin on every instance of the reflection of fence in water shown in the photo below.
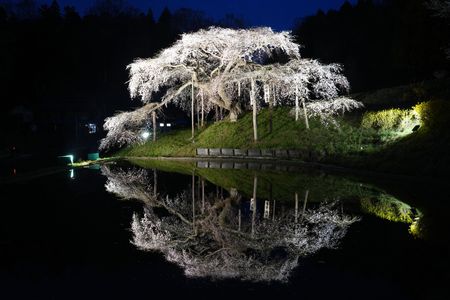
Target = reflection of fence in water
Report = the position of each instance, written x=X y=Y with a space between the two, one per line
x=247 y=165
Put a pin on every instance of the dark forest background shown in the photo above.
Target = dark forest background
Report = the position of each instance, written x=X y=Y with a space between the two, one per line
x=61 y=70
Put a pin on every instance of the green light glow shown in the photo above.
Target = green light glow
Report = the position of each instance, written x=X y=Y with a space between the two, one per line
x=69 y=156
x=389 y=208
x=417 y=227
x=392 y=123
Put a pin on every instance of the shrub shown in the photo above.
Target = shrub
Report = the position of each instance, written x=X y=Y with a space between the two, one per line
x=433 y=114
x=390 y=119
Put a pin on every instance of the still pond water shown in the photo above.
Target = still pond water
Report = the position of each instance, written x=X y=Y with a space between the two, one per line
x=125 y=229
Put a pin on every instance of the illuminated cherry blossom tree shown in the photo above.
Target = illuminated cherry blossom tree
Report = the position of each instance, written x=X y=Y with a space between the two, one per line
x=229 y=69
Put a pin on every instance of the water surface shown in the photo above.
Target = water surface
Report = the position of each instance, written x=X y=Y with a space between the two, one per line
x=124 y=229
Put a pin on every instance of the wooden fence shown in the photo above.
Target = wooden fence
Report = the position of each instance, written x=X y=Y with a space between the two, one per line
x=250 y=153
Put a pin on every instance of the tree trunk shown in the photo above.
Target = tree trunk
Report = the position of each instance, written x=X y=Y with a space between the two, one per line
x=203 y=195
x=154 y=125
x=270 y=118
x=296 y=103
x=197 y=108
x=255 y=184
x=306 y=115
x=193 y=199
x=271 y=198
x=267 y=99
x=306 y=200
x=216 y=113
x=271 y=101
x=203 y=110
x=253 y=100
x=233 y=116
x=239 y=220
x=199 y=187
x=273 y=210
x=235 y=111
x=155 y=182
x=304 y=205
x=192 y=109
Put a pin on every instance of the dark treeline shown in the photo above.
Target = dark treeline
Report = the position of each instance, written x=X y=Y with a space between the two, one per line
x=53 y=52
x=60 y=70
x=380 y=43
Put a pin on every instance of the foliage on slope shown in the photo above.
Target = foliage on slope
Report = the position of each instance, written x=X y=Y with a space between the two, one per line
x=424 y=152
x=319 y=143
x=380 y=141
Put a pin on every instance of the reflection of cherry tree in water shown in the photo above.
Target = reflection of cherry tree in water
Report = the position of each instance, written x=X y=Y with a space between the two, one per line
x=216 y=237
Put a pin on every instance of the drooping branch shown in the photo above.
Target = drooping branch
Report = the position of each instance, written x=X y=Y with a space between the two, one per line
x=123 y=128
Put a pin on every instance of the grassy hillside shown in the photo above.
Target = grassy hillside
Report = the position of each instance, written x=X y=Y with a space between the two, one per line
x=372 y=140
x=316 y=144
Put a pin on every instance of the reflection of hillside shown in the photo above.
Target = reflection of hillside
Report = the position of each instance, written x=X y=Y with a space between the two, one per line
x=388 y=208
x=279 y=185
x=321 y=186
x=222 y=237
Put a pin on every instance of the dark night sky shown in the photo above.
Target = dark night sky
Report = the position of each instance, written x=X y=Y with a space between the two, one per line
x=279 y=14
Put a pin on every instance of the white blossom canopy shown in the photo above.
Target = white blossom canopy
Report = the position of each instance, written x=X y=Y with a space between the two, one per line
x=203 y=56
x=221 y=65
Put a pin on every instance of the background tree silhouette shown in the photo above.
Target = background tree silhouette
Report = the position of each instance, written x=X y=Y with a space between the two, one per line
x=381 y=44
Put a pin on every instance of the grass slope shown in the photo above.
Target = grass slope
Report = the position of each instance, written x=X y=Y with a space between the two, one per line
x=382 y=147
x=317 y=144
